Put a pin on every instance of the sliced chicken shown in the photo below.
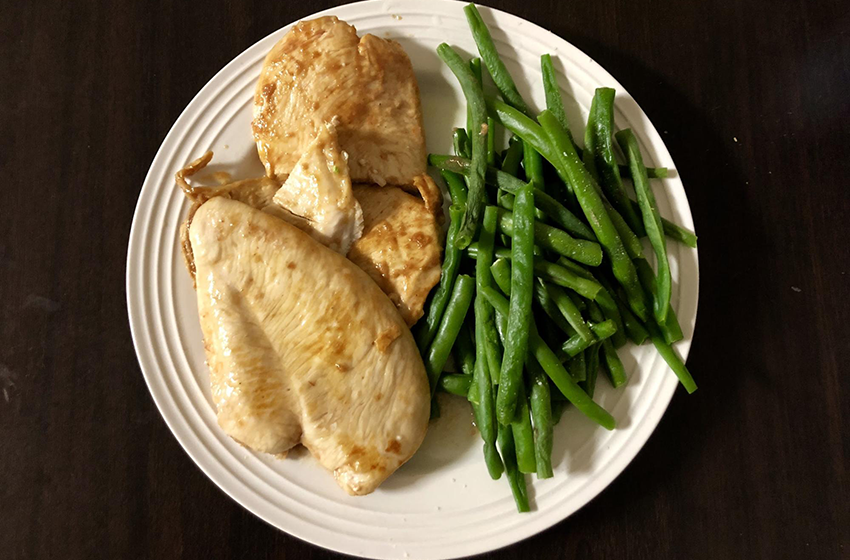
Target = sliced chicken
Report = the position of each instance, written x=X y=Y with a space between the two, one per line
x=303 y=347
x=320 y=70
x=400 y=246
x=318 y=193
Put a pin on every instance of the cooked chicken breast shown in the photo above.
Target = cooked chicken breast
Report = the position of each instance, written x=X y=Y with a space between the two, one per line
x=320 y=70
x=304 y=347
x=400 y=246
x=257 y=192
x=319 y=191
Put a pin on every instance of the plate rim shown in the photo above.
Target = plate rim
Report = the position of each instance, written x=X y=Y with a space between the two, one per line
x=172 y=415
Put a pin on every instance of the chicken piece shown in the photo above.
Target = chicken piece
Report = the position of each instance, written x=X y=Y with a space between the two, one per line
x=303 y=347
x=319 y=192
x=320 y=70
x=257 y=192
x=400 y=246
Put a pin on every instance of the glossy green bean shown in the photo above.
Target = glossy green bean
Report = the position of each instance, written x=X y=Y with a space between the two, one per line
x=553 y=368
x=546 y=303
x=652 y=223
x=464 y=350
x=513 y=158
x=669 y=354
x=450 y=325
x=556 y=240
x=592 y=359
x=490 y=57
x=515 y=478
x=483 y=278
x=456 y=384
x=501 y=271
x=671 y=329
x=594 y=209
x=476 y=197
x=427 y=329
x=523 y=434
x=634 y=329
x=457 y=188
x=598 y=140
x=576 y=344
x=541 y=416
x=577 y=368
x=522 y=278
x=481 y=391
x=460 y=143
x=613 y=366
x=570 y=312
x=552 y=92
x=556 y=211
x=551 y=272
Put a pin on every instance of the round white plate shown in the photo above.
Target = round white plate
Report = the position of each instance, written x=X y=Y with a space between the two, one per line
x=441 y=504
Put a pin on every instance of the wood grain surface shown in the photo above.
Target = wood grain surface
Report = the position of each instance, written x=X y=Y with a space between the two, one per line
x=752 y=100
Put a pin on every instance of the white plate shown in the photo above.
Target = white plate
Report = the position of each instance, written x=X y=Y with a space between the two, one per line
x=441 y=504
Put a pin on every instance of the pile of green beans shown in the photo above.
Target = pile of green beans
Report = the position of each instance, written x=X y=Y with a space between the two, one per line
x=560 y=276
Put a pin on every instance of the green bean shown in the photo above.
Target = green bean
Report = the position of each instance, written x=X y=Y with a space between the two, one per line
x=570 y=311
x=558 y=408
x=475 y=68
x=523 y=434
x=464 y=350
x=501 y=271
x=533 y=165
x=670 y=329
x=576 y=344
x=613 y=365
x=475 y=100
x=487 y=50
x=522 y=276
x=591 y=203
x=652 y=222
x=481 y=391
x=598 y=141
x=556 y=240
x=450 y=325
x=541 y=415
x=577 y=368
x=673 y=360
x=671 y=230
x=604 y=299
x=456 y=384
x=428 y=329
x=484 y=279
x=559 y=213
x=460 y=143
x=491 y=141
x=553 y=368
x=457 y=188
x=651 y=172
x=547 y=304
x=513 y=157
x=550 y=272
x=506 y=201
x=515 y=478
x=592 y=358
x=552 y=91
x=635 y=330
x=553 y=143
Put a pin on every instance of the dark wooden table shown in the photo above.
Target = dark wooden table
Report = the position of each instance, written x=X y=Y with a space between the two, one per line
x=753 y=100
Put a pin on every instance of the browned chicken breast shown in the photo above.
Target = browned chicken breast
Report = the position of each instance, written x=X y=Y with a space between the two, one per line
x=321 y=70
x=397 y=234
x=303 y=347
x=400 y=246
